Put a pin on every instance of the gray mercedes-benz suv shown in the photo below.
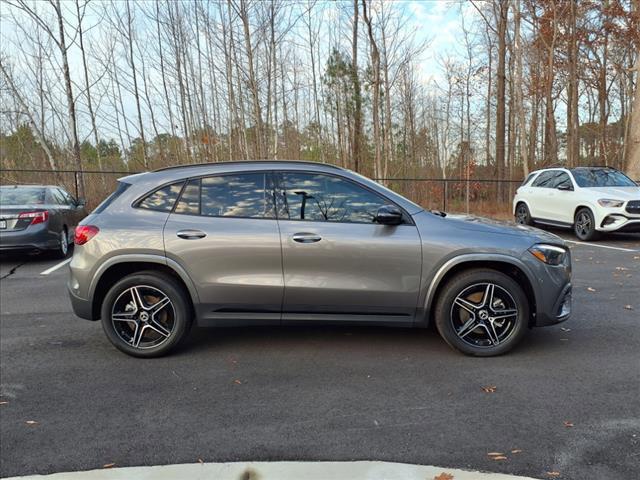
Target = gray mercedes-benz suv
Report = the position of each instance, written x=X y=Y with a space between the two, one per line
x=264 y=242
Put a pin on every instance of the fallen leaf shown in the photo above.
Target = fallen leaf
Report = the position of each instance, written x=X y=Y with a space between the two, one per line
x=591 y=289
x=4 y=403
x=200 y=460
x=567 y=424
x=565 y=329
x=108 y=465
x=489 y=389
x=628 y=307
x=495 y=454
x=622 y=269
x=443 y=476
x=516 y=450
x=237 y=382
x=31 y=422
x=499 y=458
x=553 y=474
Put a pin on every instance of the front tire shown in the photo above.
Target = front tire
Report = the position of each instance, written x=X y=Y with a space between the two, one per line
x=146 y=314
x=584 y=225
x=523 y=216
x=482 y=312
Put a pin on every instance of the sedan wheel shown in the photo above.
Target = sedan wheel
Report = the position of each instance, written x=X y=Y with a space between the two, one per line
x=146 y=314
x=63 y=245
x=482 y=312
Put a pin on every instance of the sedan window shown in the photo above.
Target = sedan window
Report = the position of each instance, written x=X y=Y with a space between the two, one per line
x=545 y=179
x=22 y=196
x=326 y=198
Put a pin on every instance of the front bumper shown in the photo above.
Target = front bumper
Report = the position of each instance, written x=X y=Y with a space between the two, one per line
x=560 y=309
x=619 y=222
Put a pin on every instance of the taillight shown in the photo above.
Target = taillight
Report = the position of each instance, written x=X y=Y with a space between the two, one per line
x=84 y=233
x=36 y=217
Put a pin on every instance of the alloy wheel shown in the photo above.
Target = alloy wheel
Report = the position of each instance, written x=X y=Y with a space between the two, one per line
x=484 y=315
x=583 y=224
x=64 y=243
x=143 y=317
x=522 y=215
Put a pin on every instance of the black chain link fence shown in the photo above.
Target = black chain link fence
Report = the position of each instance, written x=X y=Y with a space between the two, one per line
x=480 y=197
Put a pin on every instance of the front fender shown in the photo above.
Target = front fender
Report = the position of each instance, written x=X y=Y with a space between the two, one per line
x=439 y=272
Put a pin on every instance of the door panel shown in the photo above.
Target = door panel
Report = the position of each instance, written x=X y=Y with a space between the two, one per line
x=354 y=272
x=223 y=232
x=338 y=263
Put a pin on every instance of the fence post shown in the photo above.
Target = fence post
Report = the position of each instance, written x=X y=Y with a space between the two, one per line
x=444 y=190
x=75 y=179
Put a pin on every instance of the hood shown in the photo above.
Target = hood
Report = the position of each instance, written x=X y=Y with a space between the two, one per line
x=615 y=193
x=487 y=225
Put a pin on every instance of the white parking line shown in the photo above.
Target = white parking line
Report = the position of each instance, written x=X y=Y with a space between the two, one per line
x=55 y=267
x=601 y=246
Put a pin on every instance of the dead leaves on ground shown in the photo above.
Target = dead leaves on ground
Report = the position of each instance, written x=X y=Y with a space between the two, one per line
x=568 y=424
x=31 y=422
x=591 y=289
x=109 y=465
x=443 y=476
x=628 y=307
x=553 y=474
x=489 y=389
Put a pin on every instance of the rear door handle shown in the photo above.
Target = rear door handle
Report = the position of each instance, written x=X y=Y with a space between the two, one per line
x=306 y=238
x=191 y=234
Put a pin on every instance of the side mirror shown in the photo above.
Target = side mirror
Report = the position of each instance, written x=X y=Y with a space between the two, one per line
x=81 y=202
x=565 y=187
x=389 y=215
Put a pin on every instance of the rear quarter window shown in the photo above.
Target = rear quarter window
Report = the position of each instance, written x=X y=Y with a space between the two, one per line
x=163 y=199
x=120 y=189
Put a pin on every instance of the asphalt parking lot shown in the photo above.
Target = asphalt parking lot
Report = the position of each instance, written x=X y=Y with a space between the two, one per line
x=565 y=401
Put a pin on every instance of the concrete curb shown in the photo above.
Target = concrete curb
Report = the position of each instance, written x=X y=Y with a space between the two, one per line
x=278 y=471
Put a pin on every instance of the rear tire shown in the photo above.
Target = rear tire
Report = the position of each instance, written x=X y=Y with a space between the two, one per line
x=584 y=225
x=482 y=312
x=146 y=314
x=62 y=250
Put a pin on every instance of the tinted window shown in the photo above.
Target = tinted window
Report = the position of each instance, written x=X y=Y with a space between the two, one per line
x=601 y=177
x=120 y=189
x=545 y=179
x=22 y=196
x=528 y=179
x=69 y=200
x=189 y=202
x=242 y=195
x=562 y=179
x=162 y=199
x=325 y=198
x=57 y=197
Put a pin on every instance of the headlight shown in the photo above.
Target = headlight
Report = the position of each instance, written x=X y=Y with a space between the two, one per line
x=549 y=254
x=608 y=202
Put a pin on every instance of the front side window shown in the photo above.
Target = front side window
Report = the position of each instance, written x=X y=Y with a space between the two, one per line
x=326 y=198
x=245 y=195
x=562 y=180
x=162 y=200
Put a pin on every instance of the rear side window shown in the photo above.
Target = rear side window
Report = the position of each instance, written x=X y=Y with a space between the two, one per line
x=120 y=189
x=544 y=180
x=528 y=179
x=189 y=203
x=162 y=200
x=239 y=195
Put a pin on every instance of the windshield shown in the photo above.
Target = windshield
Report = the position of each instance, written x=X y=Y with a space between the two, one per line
x=601 y=177
x=21 y=196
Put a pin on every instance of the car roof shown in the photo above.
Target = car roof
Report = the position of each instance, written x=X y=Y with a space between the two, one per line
x=197 y=169
x=27 y=185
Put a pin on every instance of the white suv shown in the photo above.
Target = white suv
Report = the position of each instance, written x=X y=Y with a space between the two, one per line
x=587 y=199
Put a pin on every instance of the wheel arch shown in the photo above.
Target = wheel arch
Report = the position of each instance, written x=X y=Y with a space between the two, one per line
x=118 y=267
x=518 y=202
x=510 y=266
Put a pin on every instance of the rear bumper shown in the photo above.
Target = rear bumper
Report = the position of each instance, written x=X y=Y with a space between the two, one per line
x=36 y=237
x=81 y=307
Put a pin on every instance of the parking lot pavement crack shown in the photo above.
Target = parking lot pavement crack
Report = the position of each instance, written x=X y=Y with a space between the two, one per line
x=12 y=271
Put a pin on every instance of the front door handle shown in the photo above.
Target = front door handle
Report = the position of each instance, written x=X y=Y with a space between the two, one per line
x=191 y=234
x=306 y=238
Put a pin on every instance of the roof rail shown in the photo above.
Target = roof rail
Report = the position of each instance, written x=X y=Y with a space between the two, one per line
x=238 y=162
